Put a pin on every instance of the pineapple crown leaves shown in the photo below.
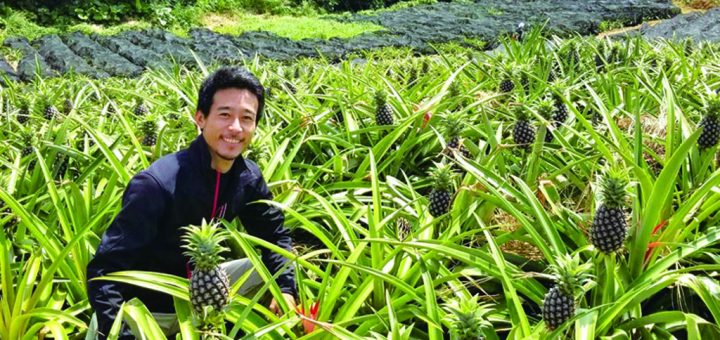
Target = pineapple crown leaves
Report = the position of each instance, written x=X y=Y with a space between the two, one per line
x=467 y=317
x=454 y=126
x=712 y=108
x=520 y=112
x=613 y=187
x=381 y=97
x=570 y=275
x=442 y=176
x=545 y=108
x=203 y=244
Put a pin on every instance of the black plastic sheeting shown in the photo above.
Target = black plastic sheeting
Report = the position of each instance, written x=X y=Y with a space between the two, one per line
x=128 y=53
x=695 y=26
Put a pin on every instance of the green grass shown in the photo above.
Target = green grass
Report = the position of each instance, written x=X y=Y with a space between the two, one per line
x=295 y=28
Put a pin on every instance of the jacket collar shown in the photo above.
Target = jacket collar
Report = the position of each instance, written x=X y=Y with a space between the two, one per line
x=202 y=160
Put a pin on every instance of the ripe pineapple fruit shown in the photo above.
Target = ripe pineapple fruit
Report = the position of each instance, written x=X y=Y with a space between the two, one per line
x=383 y=111
x=149 y=131
x=141 y=109
x=609 y=228
x=523 y=132
x=559 y=302
x=50 y=110
x=209 y=284
x=467 y=318
x=441 y=195
x=710 y=124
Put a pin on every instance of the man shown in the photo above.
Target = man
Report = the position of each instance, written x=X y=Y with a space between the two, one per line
x=208 y=180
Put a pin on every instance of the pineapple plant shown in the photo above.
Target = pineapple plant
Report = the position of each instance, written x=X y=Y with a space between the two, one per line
x=440 y=198
x=402 y=228
x=710 y=124
x=23 y=114
x=28 y=140
x=50 y=110
x=68 y=106
x=523 y=132
x=141 y=109
x=149 y=129
x=545 y=109
x=609 y=229
x=467 y=318
x=507 y=84
x=209 y=284
x=454 y=127
x=570 y=277
x=383 y=111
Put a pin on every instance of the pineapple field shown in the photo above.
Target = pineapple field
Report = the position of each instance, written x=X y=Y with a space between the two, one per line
x=559 y=187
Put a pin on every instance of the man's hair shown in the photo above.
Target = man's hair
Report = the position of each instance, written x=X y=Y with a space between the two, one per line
x=230 y=77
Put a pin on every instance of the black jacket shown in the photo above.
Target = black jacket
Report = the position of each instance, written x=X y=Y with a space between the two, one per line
x=175 y=191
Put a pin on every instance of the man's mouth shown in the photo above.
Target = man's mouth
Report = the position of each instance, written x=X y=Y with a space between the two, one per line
x=231 y=140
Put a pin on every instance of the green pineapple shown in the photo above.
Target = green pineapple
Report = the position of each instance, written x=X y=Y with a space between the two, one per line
x=149 y=131
x=402 y=228
x=570 y=277
x=710 y=124
x=383 y=111
x=609 y=228
x=440 y=197
x=209 y=284
x=23 y=114
x=467 y=318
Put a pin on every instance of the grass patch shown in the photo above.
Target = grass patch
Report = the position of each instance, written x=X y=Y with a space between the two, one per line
x=295 y=28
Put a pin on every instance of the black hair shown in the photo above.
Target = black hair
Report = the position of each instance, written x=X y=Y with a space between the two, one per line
x=230 y=77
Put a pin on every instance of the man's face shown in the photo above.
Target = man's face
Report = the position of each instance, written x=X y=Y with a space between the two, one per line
x=229 y=126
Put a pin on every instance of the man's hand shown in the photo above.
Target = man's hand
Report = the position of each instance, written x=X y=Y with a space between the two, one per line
x=275 y=307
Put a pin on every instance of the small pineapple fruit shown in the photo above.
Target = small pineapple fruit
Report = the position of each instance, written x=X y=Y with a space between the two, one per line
x=609 y=228
x=523 y=132
x=507 y=84
x=383 y=111
x=141 y=109
x=441 y=195
x=559 y=302
x=23 y=114
x=710 y=124
x=467 y=318
x=68 y=106
x=209 y=284
x=149 y=131
x=50 y=111
x=27 y=141
x=402 y=227
x=545 y=109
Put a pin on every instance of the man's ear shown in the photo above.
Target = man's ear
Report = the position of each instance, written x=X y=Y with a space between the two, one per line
x=199 y=119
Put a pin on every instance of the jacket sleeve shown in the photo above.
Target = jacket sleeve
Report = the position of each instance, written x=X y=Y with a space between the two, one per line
x=133 y=228
x=268 y=223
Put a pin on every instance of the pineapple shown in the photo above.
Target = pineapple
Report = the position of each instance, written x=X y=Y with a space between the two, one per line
x=27 y=141
x=50 y=110
x=68 y=106
x=559 y=302
x=467 y=318
x=149 y=131
x=141 y=109
x=523 y=132
x=453 y=130
x=383 y=111
x=545 y=109
x=710 y=124
x=402 y=227
x=609 y=228
x=440 y=197
x=23 y=114
x=209 y=284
